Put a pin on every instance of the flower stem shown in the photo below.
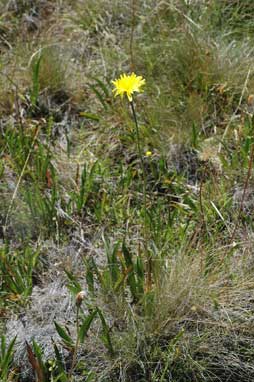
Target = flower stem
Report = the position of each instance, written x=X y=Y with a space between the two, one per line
x=149 y=260
x=138 y=143
x=74 y=357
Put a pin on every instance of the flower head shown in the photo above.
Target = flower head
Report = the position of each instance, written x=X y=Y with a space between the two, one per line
x=128 y=84
x=148 y=153
x=80 y=297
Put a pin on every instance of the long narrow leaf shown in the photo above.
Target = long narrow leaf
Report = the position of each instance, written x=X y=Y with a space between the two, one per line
x=63 y=334
x=101 y=85
x=131 y=276
x=36 y=84
x=6 y=356
x=106 y=335
x=62 y=376
x=35 y=364
x=86 y=325
x=99 y=96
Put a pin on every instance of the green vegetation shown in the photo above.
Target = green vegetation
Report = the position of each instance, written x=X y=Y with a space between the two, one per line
x=116 y=265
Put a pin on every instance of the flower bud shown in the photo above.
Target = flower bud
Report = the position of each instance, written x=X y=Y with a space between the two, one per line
x=80 y=297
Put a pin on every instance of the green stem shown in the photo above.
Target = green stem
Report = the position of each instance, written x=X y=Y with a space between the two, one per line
x=74 y=358
x=138 y=142
x=149 y=260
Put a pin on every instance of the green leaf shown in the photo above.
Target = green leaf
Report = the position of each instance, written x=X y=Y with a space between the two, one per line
x=73 y=285
x=106 y=336
x=120 y=282
x=6 y=356
x=140 y=275
x=113 y=266
x=102 y=86
x=3 y=346
x=62 y=376
x=94 y=117
x=38 y=355
x=86 y=325
x=36 y=83
x=131 y=276
x=63 y=334
x=99 y=95
x=96 y=271
x=35 y=363
x=90 y=377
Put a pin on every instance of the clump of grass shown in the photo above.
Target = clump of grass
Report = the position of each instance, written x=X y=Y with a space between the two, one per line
x=49 y=72
x=17 y=274
x=6 y=358
x=199 y=80
x=234 y=18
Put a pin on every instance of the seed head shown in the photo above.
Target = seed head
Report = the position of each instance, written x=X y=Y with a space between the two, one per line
x=80 y=297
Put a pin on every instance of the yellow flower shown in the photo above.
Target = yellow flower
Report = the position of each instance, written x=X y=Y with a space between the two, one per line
x=128 y=84
x=148 y=153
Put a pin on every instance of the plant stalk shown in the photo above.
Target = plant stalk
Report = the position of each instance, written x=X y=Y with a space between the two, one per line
x=149 y=259
x=74 y=358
